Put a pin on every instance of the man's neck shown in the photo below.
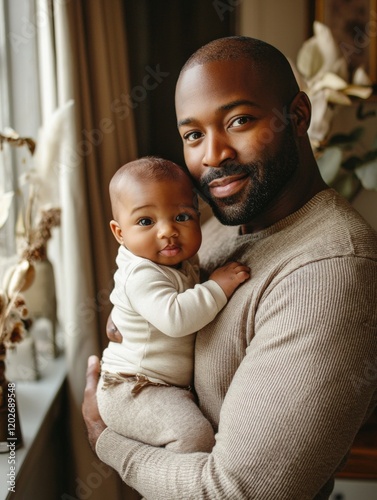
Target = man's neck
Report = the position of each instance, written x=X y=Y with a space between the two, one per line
x=291 y=199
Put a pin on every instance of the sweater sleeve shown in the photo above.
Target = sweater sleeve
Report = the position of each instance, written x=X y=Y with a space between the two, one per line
x=173 y=313
x=295 y=403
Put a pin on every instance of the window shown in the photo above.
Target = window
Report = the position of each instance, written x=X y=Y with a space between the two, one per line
x=19 y=99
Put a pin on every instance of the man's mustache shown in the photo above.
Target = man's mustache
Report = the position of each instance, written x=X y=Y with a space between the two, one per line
x=225 y=170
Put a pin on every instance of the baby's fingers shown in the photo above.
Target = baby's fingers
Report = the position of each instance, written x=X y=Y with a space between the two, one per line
x=242 y=273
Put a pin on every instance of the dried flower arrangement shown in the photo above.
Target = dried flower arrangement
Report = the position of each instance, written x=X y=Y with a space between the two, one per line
x=36 y=216
x=14 y=315
x=38 y=212
x=33 y=248
x=347 y=158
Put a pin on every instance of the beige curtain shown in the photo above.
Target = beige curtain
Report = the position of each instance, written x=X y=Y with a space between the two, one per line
x=83 y=56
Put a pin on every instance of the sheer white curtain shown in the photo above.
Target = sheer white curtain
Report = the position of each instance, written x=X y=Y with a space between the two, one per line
x=82 y=57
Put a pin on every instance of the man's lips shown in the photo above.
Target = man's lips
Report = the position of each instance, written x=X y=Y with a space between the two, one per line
x=227 y=186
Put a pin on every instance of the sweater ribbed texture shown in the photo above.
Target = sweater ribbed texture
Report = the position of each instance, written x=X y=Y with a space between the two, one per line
x=281 y=373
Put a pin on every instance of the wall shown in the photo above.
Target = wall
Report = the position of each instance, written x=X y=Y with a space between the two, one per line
x=283 y=24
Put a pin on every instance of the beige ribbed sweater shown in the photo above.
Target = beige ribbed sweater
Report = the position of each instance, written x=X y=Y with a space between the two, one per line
x=286 y=373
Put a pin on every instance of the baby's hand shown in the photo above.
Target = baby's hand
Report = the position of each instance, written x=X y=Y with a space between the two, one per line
x=230 y=276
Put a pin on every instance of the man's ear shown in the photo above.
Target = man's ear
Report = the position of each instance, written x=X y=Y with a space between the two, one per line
x=300 y=111
x=117 y=232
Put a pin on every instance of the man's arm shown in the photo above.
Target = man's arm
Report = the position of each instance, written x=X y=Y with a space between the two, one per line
x=112 y=332
x=294 y=406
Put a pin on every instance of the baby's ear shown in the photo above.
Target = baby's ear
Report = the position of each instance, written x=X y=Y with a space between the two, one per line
x=117 y=232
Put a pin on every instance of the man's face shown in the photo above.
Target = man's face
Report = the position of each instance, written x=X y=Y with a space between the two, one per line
x=238 y=144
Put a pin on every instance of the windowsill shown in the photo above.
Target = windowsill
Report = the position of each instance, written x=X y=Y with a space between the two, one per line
x=35 y=402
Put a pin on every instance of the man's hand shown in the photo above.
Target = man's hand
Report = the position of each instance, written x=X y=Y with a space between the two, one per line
x=112 y=331
x=94 y=423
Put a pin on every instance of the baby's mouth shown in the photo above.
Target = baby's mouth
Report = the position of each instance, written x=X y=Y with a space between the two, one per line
x=170 y=250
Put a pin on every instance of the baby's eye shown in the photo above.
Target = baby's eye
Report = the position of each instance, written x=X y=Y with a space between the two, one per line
x=183 y=217
x=192 y=136
x=145 y=221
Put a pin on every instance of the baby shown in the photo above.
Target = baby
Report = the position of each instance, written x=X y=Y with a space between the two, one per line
x=145 y=390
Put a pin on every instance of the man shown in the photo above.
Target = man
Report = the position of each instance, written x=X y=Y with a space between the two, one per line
x=281 y=372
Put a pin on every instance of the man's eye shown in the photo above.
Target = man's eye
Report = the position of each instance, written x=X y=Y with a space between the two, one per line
x=238 y=122
x=182 y=217
x=192 y=136
x=145 y=222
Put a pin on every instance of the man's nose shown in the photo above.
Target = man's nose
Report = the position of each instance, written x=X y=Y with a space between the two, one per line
x=217 y=150
x=167 y=229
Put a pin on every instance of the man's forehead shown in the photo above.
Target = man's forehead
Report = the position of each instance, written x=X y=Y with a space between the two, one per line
x=224 y=81
x=217 y=74
x=213 y=68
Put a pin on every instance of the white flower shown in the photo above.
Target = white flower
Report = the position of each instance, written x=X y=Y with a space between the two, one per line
x=319 y=55
x=322 y=74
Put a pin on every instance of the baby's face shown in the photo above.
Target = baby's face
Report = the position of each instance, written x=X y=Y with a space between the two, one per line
x=158 y=220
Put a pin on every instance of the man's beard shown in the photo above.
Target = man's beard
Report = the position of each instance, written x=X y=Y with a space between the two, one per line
x=267 y=178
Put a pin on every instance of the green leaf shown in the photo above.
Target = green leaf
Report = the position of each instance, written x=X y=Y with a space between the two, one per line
x=367 y=174
x=347 y=185
x=329 y=163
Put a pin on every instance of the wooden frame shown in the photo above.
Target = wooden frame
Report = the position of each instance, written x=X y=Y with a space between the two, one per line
x=354 y=26
x=362 y=460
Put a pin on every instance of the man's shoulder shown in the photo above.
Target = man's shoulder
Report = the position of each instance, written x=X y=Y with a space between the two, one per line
x=327 y=226
x=335 y=225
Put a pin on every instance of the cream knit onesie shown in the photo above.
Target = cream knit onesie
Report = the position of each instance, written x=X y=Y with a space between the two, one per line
x=158 y=310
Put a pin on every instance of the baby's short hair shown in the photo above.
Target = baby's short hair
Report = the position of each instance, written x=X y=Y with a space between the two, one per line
x=152 y=168
x=147 y=168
